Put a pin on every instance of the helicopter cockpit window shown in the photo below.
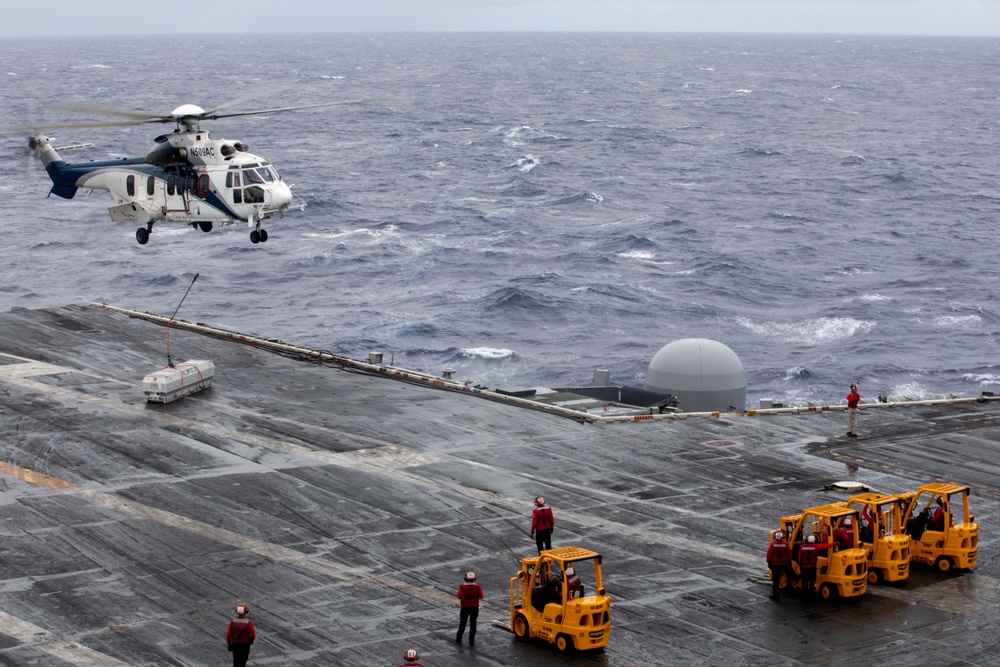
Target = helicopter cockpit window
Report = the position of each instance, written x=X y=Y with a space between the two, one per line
x=253 y=195
x=265 y=173
x=250 y=176
x=233 y=179
x=130 y=185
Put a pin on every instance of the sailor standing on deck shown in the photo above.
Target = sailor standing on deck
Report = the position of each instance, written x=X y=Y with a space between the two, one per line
x=779 y=558
x=240 y=635
x=470 y=594
x=808 y=558
x=542 y=523
x=852 y=410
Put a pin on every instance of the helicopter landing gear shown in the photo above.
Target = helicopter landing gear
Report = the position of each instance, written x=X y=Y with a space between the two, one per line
x=205 y=226
x=258 y=235
x=142 y=235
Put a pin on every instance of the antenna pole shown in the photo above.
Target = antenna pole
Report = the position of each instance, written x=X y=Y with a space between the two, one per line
x=170 y=361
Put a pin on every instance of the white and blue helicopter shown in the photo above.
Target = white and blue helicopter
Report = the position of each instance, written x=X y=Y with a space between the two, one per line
x=187 y=177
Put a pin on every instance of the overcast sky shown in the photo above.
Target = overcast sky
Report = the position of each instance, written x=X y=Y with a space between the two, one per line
x=882 y=17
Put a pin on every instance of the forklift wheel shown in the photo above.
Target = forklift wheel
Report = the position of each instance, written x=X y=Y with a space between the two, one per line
x=944 y=564
x=520 y=626
x=564 y=643
x=828 y=592
x=874 y=576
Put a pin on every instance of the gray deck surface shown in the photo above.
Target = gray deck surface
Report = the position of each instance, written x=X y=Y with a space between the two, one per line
x=344 y=509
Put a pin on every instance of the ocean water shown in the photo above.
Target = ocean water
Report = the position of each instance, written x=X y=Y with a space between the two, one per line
x=526 y=208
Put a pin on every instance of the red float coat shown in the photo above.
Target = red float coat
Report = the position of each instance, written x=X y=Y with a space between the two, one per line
x=470 y=594
x=809 y=552
x=852 y=399
x=240 y=631
x=778 y=554
x=542 y=519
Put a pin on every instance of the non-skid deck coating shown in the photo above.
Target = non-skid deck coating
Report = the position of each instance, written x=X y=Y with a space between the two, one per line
x=344 y=509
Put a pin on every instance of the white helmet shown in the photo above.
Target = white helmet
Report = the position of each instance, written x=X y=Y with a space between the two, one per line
x=470 y=576
x=847 y=521
x=242 y=609
x=778 y=535
x=811 y=538
x=411 y=655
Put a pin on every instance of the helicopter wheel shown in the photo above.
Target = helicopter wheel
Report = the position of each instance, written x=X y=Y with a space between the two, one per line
x=205 y=225
x=142 y=236
x=254 y=236
x=263 y=235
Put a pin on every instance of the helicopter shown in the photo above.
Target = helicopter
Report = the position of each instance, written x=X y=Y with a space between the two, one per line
x=187 y=177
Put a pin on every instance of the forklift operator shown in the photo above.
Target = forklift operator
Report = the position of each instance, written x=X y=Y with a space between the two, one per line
x=547 y=590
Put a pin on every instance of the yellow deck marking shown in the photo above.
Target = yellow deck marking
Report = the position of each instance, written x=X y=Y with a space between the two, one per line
x=36 y=478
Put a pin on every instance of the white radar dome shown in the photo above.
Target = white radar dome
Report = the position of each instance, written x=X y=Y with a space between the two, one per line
x=704 y=375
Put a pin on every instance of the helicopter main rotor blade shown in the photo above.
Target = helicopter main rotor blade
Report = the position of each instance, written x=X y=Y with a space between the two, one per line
x=62 y=126
x=141 y=116
x=213 y=116
x=234 y=102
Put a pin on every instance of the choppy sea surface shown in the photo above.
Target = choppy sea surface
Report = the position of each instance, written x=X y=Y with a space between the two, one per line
x=526 y=208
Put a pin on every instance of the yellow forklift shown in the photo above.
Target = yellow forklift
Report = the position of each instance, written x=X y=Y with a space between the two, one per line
x=841 y=570
x=942 y=531
x=559 y=597
x=883 y=537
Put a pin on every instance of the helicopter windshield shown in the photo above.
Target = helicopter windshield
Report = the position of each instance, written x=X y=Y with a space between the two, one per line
x=250 y=176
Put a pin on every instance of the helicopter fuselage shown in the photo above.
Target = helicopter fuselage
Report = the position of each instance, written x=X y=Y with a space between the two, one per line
x=187 y=177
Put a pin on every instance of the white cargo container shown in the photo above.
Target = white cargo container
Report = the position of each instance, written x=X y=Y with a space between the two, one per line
x=168 y=384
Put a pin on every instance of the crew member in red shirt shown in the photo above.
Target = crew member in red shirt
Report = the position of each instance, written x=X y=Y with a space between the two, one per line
x=852 y=410
x=239 y=635
x=470 y=594
x=808 y=555
x=542 y=523
x=779 y=557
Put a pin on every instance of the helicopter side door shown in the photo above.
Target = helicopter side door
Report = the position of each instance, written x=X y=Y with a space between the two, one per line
x=175 y=187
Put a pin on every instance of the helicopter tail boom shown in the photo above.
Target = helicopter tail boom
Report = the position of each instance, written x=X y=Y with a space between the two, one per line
x=54 y=164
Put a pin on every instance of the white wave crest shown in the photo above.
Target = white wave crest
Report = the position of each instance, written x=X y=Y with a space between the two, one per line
x=636 y=254
x=982 y=379
x=794 y=372
x=488 y=352
x=515 y=136
x=908 y=391
x=808 y=332
x=525 y=164
x=957 y=320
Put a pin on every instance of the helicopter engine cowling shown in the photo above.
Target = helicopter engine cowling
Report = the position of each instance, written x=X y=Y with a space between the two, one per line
x=166 y=154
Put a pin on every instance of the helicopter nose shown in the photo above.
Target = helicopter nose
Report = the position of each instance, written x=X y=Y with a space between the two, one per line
x=282 y=196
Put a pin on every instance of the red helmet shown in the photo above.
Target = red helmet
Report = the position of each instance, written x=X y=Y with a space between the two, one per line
x=539 y=501
x=242 y=609
x=411 y=655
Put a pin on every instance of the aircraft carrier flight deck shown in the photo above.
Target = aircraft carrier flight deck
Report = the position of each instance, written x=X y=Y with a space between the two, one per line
x=344 y=507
